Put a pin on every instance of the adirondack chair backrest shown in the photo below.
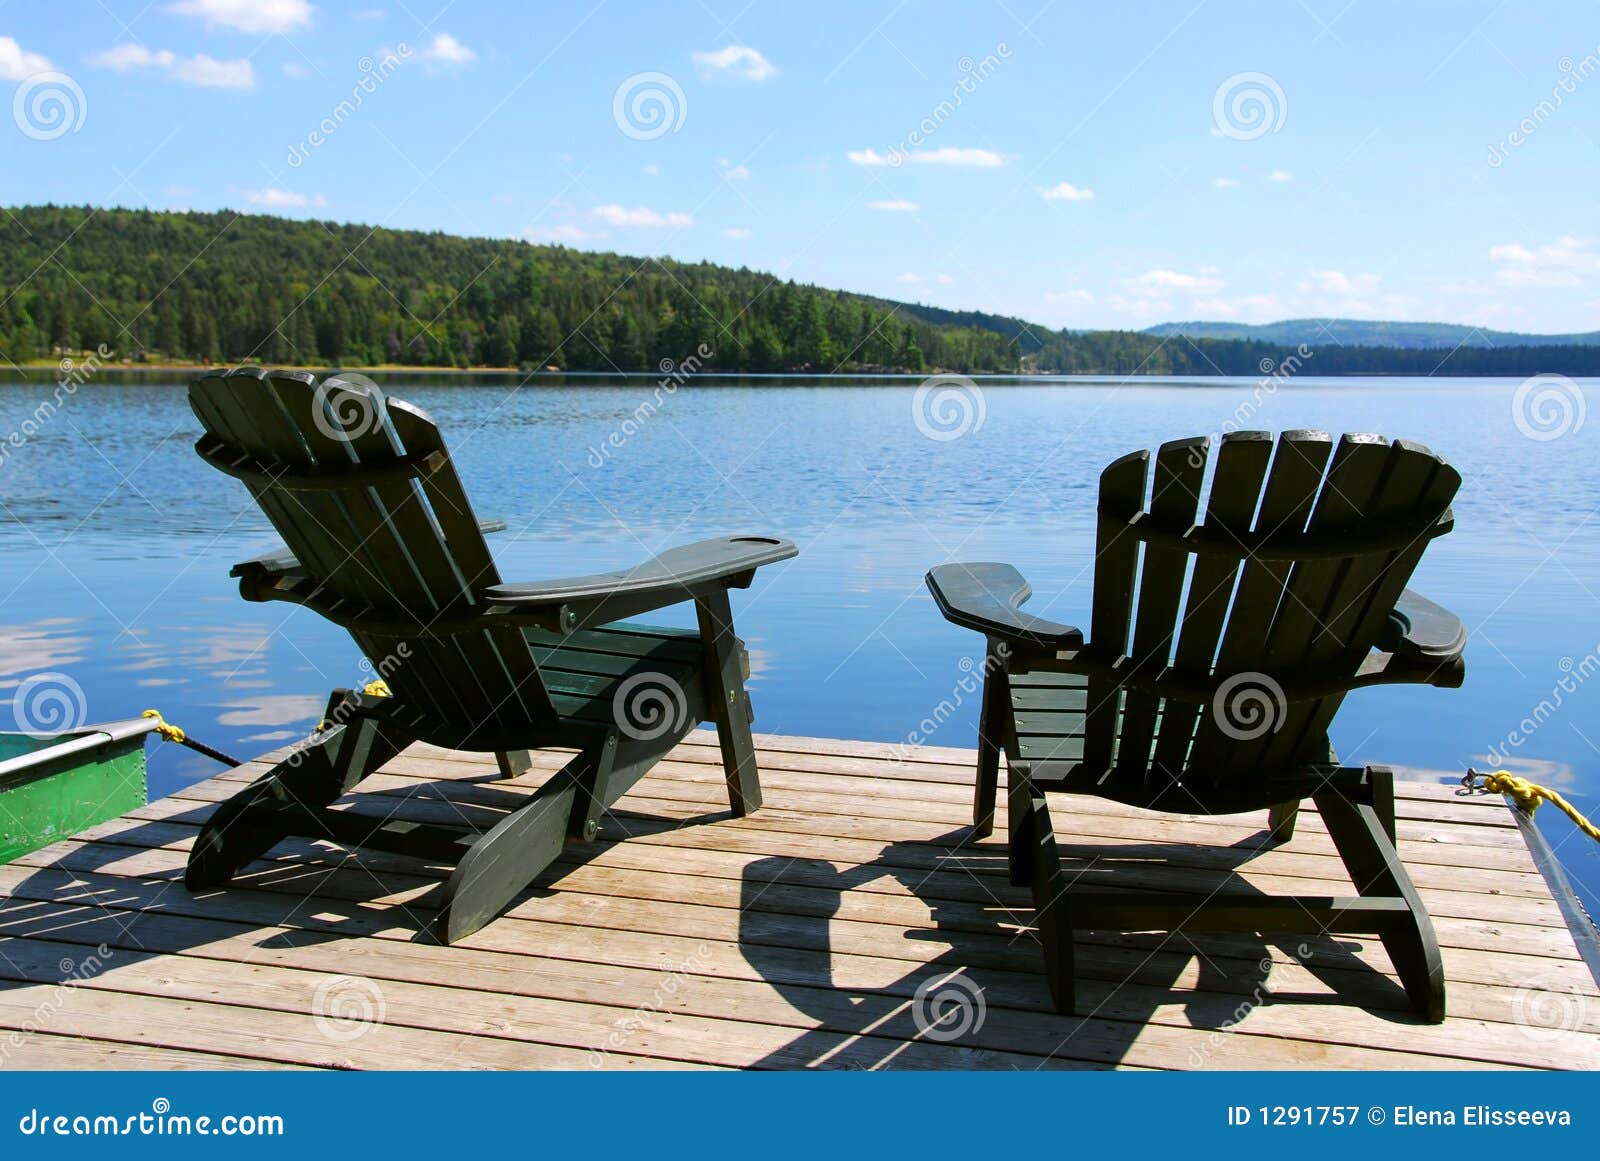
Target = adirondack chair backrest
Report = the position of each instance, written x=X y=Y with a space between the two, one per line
x=1291 y=575
x=401 y=548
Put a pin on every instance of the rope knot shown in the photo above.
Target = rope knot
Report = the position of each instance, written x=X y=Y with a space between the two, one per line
x=1527 y=795
x=166 y=729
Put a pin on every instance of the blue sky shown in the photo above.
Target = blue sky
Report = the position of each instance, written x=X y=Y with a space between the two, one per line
x=1104 y=165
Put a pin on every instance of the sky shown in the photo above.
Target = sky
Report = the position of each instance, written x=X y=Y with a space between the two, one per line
x=1082 y=165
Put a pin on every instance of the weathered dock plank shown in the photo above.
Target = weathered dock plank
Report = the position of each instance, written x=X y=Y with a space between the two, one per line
x=806 y=935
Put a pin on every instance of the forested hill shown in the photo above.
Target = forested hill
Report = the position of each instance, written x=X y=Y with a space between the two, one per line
x=224 y=287
x=1368 y=333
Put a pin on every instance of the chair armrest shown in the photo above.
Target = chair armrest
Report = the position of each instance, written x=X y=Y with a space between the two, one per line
x=1420 y=630
x=678 y=574
x=986 y=597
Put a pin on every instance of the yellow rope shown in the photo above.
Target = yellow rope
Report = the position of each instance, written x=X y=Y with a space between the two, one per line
x=377 y=687
x=1529 y=795
x=168 y=731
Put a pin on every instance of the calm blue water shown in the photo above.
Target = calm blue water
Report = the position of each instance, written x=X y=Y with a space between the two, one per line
x=117 y=540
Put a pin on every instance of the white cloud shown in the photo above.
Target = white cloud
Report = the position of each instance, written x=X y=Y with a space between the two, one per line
x=1280 y=175
x=256 y=16
x=1225 y=182
x=731 y=172
x=1247 y=308
x=1337 y=282
x=202 y=70
x=895 y=206
x=949 y=155
x=1145 y=309
x=1564 y=262
x=129 y=56
x=1154 y=282
x=736 y=60
x=564 y=233
x=908 y=277
x=1067 y=192
x=274 y=198
x=17 y=65
x=1077 y=297
x=296 y=70
x=446 y=49
x=369 y=14
x=652 y=170
x=737 y=232
x=208 y=73
x=946 y=280
x=641 y=218
x=867 y=157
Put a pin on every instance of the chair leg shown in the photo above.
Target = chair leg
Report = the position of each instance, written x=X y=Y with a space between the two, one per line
x=1281 y=820
x=729 y=705
x=513 y=762
x=237 y=833
x=1361 y=833
x=991 y=719
x=1020 y=803
x=1053 y=910
x=509 y=856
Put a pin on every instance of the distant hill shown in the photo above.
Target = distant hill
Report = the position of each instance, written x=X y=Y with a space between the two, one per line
x=228 y=288
x=1406 y=336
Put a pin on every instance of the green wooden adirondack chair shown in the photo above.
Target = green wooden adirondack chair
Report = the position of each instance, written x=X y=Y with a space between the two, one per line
x=380 y=539
x=1214 y=697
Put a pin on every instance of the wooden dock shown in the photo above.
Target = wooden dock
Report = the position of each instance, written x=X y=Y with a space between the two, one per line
x=819 y=932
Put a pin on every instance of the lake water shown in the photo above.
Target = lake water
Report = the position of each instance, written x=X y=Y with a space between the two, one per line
x=117 y=540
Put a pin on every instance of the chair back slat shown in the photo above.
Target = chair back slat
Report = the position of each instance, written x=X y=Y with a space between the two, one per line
x=1174 y=499
x=1116 y=556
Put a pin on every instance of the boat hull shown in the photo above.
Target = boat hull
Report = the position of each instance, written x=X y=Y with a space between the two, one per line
x=56 y=786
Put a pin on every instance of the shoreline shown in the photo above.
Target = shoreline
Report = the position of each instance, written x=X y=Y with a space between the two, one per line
x=52 y=371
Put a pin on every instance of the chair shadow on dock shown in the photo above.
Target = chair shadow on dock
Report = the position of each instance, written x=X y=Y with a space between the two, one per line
x=984 y=991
